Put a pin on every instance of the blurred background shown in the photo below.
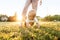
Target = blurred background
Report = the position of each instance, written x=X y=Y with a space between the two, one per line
x=15 y=7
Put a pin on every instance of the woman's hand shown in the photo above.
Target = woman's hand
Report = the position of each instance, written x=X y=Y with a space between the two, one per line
x=40 y=2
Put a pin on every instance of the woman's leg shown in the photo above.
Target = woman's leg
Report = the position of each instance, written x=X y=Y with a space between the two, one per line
x=26 y=7
x=34 y=4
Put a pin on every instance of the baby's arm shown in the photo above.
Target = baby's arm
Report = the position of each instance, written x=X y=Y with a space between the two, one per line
x=37 y=23
x=27 y=23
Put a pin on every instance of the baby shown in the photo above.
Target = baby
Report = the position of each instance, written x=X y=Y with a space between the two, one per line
x=31 y=19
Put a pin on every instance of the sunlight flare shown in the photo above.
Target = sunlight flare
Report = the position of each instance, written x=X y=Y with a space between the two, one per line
x=19 y=17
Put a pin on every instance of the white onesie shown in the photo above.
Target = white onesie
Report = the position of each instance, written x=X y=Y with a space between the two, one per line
x=35 y=21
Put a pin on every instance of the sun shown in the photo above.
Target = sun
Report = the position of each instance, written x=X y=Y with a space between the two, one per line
x=19 y=17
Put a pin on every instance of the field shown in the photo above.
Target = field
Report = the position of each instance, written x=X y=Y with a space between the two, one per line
x=13 y=31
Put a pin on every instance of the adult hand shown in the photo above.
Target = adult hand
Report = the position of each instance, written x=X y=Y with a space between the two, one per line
x=41 y=2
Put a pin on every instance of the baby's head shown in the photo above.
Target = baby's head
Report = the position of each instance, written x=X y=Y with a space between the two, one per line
x=31 y=15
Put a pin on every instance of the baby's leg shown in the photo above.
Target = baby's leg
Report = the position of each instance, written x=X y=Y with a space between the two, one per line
x=34 y=4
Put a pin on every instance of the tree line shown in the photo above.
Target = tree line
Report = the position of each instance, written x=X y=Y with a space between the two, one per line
x=52 y=18
x=5 y=18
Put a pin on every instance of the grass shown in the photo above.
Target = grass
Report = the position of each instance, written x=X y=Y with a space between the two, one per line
x=13 y=31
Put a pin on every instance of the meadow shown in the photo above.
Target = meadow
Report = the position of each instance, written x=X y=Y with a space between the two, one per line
x=13 y=31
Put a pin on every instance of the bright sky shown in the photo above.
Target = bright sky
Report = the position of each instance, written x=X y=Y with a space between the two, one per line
x=48 y=7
